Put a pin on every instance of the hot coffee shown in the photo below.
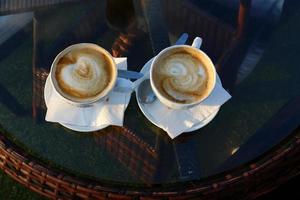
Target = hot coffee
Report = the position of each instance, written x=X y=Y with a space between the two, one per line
x=183 y=76
x=84 y=73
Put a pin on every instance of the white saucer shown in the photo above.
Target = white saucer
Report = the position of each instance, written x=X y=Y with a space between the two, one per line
x=142 y=106
x=47 y=94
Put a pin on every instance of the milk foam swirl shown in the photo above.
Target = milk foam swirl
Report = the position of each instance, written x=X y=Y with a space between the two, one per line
x=83 y=73
x=181 y=77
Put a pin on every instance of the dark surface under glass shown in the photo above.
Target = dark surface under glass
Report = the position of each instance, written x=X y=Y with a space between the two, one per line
x=262 y=77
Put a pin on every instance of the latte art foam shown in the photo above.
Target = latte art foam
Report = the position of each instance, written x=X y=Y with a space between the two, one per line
x=181 y=77
x=83 y=73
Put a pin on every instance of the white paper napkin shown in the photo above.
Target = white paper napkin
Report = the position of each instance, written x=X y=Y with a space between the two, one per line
x=175 y=122
x=100 y=114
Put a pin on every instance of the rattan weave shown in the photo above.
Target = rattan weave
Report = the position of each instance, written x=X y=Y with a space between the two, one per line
x=248 y=181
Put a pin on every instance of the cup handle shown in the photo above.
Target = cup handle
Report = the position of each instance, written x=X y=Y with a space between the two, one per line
x=123 y=86
x=197 y=42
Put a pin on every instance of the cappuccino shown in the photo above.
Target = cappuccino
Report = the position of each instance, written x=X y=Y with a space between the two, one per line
x=182 y=76
x=83 y=73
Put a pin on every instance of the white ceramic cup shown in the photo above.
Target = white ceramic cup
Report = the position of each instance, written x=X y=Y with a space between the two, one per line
x=84 y=101
x=206 y=61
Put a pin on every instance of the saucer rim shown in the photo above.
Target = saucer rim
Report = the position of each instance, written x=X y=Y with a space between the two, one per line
x=48 y=89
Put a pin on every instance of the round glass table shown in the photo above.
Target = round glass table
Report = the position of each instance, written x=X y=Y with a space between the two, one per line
x=252 y=145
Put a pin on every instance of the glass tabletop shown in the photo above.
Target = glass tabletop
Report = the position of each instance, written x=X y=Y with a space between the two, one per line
x=256 y=58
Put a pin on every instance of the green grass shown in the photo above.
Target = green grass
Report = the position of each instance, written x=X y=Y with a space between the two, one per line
x=10 y=190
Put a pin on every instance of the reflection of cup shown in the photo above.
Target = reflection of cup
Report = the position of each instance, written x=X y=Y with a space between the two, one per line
x=83 y=73
x=120 y=14
x=182 y=76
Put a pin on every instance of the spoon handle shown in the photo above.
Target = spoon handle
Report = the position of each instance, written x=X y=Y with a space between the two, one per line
x=182 y=39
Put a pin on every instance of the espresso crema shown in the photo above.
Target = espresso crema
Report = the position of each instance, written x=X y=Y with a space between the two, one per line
x=182 y=77
x=83 y=73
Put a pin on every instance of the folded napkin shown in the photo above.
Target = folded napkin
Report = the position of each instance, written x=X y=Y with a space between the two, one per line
x=175 y=122
x=99 y=114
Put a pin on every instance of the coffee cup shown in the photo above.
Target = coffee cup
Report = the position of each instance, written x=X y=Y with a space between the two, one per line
x=83 y=73
x=182 y=76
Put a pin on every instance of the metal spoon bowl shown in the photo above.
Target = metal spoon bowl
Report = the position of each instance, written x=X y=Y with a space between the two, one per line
x=145 y=92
